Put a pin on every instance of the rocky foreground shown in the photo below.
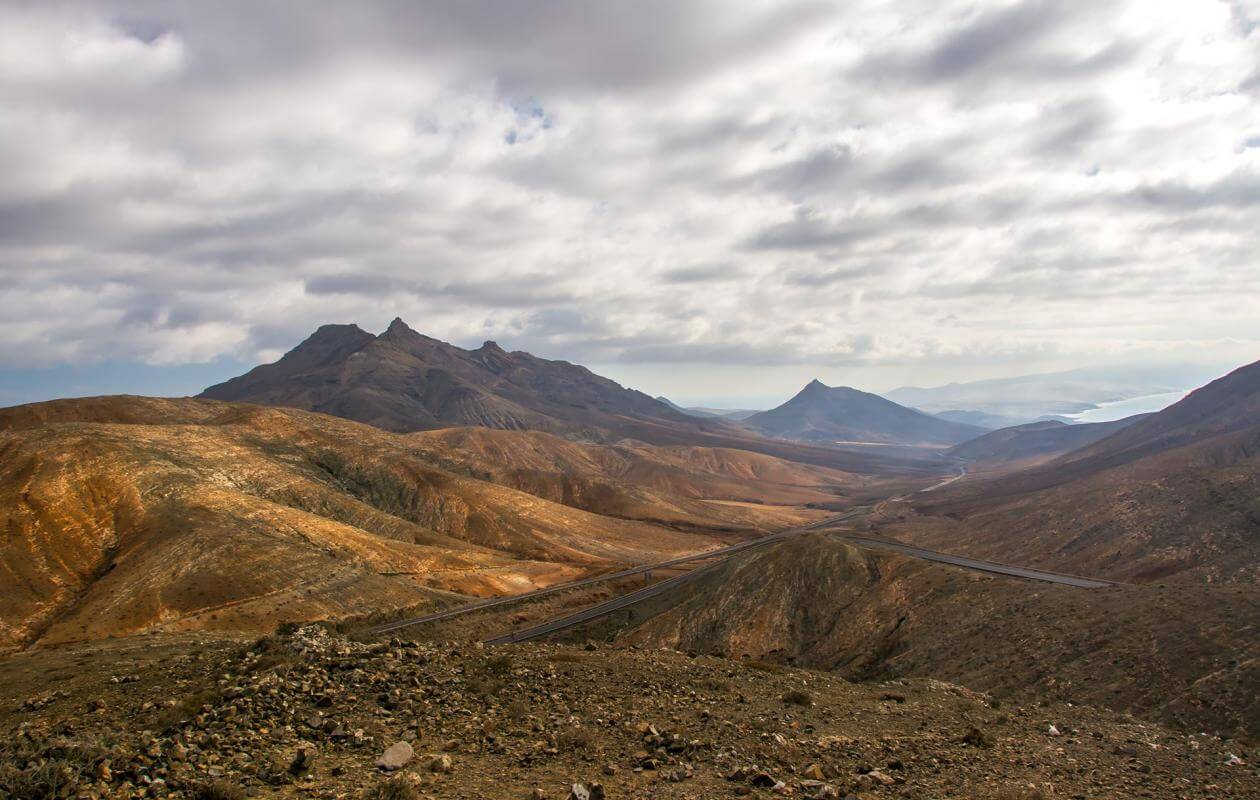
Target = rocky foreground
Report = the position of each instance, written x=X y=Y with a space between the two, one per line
x=312 y=714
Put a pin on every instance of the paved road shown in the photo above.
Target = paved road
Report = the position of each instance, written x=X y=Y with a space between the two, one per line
x=618 y=603
x=601 y=610
x=721 y=552
x=977 y=564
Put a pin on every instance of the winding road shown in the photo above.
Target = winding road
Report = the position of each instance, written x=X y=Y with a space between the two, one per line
x=718 y=556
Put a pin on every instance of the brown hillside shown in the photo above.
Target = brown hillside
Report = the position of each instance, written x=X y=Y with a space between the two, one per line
x=694 y=486
x=194 y=513
x=1175 y=494
x=1186 y=654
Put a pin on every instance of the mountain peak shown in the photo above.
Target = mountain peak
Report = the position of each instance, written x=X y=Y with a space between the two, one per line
x=492 y=346
x=398 y=326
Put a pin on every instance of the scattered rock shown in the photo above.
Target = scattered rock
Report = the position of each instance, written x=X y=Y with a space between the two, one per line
x=396 y=756
x=302 y=761
x=441 y=764
x=581 y=791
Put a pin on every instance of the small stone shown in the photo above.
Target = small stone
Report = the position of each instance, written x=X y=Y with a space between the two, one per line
x=302 y=761
x=815 y=772
x=537 y=794
x=581 y=791
x=1054 y=731
x=441 y=764
x=396 y=756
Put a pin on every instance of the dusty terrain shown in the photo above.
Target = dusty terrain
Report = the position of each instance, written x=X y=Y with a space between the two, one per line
x=1186 y=655
x=126 y=514
x=310 y=715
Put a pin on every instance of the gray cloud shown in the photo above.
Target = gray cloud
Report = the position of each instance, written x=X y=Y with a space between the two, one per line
x=657 y=182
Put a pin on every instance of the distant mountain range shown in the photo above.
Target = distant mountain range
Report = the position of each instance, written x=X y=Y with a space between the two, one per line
x=732 y=414
x=822 y=413
x=1029 y=398
x=403 y=381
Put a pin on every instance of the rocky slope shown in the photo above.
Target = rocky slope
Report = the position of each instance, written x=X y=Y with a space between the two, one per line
x=312 y=715
x=822 y=413
x=126 y=514
x=1184 y=655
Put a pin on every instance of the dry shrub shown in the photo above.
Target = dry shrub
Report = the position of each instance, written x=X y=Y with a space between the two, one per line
x=797 y=697
x=218 y=790
x=573 y=739
x=395 y=788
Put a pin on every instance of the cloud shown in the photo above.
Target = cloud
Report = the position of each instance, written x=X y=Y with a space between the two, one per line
x=648 y=183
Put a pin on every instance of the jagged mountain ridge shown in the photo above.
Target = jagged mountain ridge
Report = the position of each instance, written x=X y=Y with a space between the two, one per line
x=404 y=381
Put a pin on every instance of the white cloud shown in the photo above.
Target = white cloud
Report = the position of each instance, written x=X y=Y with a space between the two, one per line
x=893 y=186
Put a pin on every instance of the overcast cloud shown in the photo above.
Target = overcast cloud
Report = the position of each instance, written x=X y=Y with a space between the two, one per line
x=901 y=192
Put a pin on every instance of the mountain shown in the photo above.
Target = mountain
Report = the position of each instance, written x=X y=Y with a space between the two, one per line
x=732 y=414
x=979 y=419
x=1035 y=441
x=404 y=381
x=1175 y=494
x=823 y=413
x=691 y=412
x=683 y=487
x=1031 y=397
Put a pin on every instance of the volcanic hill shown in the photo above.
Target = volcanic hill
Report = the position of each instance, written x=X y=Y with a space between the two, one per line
x=822 y=413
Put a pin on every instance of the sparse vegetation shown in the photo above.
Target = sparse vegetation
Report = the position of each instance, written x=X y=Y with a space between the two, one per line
x=798 y=697
x=395 y=788
x=766 y=666
x=187 y=708
x=573 y=739
x=218 y=790
x=53 y=771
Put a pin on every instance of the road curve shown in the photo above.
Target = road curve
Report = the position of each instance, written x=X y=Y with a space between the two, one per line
x=618 y=603
x=720 y=552
x=976 y=564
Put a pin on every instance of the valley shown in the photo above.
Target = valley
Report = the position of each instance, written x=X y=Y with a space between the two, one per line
x=839 y=540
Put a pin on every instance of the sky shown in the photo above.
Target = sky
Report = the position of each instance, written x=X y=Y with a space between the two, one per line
x=713 y=201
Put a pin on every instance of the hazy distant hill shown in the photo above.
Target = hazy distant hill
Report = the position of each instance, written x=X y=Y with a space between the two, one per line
x=823 y=413
x=1028 y=398
x=1177 y=492
x=1044 y=439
